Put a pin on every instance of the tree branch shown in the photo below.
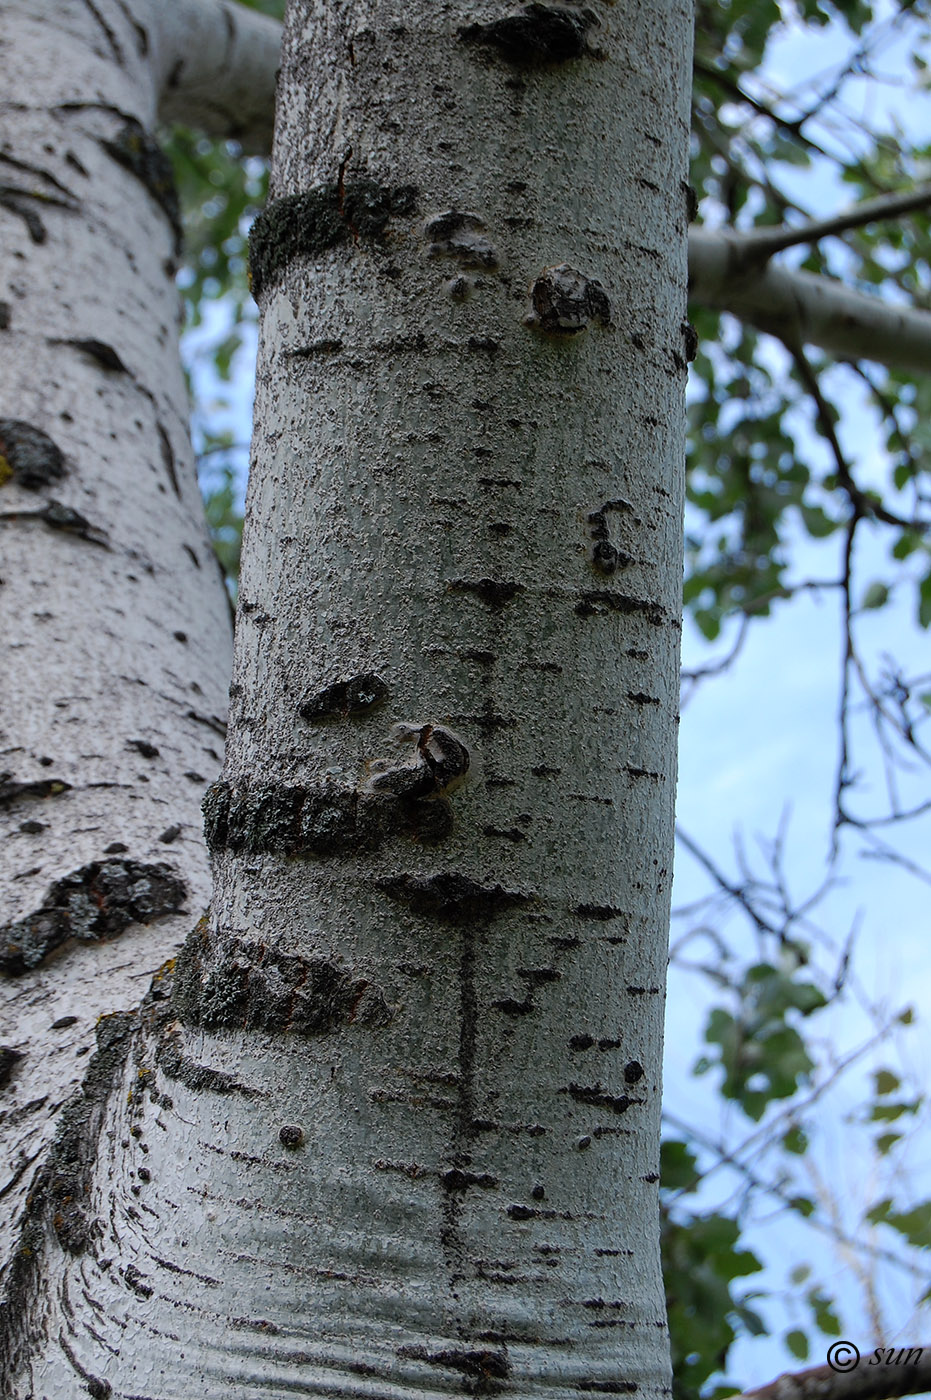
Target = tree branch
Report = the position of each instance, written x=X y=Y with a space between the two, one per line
x=216 y=63
x=879 y=1374
x=761 y=243
x=863 y=504
x=729 y=84
x=801 y=308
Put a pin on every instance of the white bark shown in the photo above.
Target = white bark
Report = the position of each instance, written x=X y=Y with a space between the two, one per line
x=880 y=1373
x=758 y=244
x=403 y=1139
x=803 y=309
x=214 y=64
x=114 y=618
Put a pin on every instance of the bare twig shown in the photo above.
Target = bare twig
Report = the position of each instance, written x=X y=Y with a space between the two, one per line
x=757 y=245
x=862 y=503
x=771 y=1188
x=729 y=84
x=843 y=778
x=736 y=892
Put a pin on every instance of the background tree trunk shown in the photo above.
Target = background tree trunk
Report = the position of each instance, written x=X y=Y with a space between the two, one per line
x=398 y=1127
x=114 y=617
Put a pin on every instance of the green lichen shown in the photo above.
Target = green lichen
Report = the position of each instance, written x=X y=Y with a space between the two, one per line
x=28 y=456
x=313 y=221
x=225 y=983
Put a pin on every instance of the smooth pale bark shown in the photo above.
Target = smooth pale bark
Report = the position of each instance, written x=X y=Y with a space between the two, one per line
x=214 y=63
x=883 y=1372
x=803 y=309
x=461 y=1039
x=115 y=623
x=399 y=1131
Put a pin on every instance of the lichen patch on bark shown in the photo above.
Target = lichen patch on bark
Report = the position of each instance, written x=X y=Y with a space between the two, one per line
x=28 y=456
x=93 y=904
x=313 y=221
x=224 y=982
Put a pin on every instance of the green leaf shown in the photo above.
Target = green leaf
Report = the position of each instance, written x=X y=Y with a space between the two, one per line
x=877 y=1213
x=825 y=1316
x=889 y=1112
x=752 y=1322
x=708 y=623
x=876 y=596
x=906 y=544
x=914 y=1224
x=924 y=601
x=795 y=1141
x=886 y=1082
x=817 y=522
x=678 y=1166
x=797 y=1343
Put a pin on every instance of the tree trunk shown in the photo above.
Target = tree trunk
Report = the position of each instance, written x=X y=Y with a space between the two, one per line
x=115 y=622
x=396 y=1129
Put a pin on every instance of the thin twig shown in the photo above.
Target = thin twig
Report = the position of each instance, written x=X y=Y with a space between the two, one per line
x=861 y=502
x=759 y=244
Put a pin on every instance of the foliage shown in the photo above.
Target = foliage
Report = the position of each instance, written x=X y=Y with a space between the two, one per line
x=779 y=502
